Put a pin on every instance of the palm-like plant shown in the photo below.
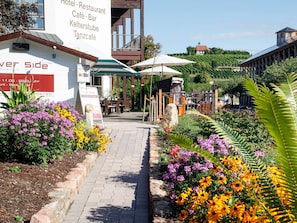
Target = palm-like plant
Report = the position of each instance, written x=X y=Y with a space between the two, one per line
x=17 y=96
x=276 y=109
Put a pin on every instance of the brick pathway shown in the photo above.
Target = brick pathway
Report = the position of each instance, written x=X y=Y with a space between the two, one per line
x=116 y=189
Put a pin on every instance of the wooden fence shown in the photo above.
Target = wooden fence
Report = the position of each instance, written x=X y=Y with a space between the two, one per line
x=204 y=102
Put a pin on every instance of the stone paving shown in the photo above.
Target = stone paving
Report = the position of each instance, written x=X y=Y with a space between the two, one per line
x=116 y=189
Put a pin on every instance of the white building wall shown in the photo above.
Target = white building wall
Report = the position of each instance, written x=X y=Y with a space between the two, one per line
x=61 y=70
x=89 y=20
x=86 y=21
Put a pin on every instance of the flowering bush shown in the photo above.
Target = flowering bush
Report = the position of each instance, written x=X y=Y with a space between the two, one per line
x=36 y=133
x=90 y=138
x=41 y=131
x=203 y=192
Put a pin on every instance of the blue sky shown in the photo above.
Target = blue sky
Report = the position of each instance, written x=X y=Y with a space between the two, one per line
x=228 y=24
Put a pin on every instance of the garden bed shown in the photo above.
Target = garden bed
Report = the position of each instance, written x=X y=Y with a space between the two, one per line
x=24 y=188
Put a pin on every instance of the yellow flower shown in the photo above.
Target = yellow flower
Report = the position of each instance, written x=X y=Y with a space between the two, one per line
x=205 y=182
x=237 y=186
x=181 y=199
x=183 y=215
x=202 y=196
x=222 y=180
x=214 y=215
x=237 y=210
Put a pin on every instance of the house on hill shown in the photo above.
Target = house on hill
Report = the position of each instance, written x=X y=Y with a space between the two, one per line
x=286 y=47
x=201 y=49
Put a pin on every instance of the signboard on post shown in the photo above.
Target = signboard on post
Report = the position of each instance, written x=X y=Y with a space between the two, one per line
x=83 y=73
x=89 y=96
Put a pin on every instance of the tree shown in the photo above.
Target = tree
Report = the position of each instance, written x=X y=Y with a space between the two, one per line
x=215 y=50
x=151 y=49
x=15 y=17
x=191 y=50
x=233 y=87
x=203 y=77
x=277 y=72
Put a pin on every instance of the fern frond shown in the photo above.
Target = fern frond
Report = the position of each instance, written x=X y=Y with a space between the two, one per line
x=277 y=111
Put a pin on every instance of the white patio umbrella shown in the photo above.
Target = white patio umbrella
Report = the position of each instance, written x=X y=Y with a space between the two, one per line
x=163 y=60
x=158 y=70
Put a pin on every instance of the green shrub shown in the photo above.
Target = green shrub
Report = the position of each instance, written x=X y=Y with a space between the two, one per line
x=245 y=123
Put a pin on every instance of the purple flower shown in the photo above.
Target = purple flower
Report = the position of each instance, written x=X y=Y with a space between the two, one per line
x=191 y=211
x=187 y=169
x=172 y=196
x=197 y=166
x=171 y=185
x=180 y=178
x=166 y=176
x=259 y=153
x=171 y=168
x=208 y=164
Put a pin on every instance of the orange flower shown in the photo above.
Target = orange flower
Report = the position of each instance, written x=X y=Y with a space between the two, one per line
x=205 y=182
x=237 y=186
x=214 y=215
x=183 y=215
x=237 y=210
x=202 y=196
x=181 y=199
x=222 y=180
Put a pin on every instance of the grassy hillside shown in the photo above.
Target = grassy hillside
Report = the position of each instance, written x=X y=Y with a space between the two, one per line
x=221 y=70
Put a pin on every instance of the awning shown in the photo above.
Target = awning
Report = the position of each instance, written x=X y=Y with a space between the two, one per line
x=112 y=67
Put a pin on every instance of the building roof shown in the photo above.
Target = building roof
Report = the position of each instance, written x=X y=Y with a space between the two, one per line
x=46 y=36
x=261 y=53
x=50 y=40
x=201 y=48
x=287 y=29
x=270 y=49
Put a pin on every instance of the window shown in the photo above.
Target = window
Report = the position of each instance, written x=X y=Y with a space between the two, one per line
x=96 y=82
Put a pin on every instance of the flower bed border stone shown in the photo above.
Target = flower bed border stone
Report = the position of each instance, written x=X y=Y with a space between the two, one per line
x=63 y=196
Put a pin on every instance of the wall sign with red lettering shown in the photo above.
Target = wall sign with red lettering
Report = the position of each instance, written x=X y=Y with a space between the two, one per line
x=26 y=64
x=38 y=82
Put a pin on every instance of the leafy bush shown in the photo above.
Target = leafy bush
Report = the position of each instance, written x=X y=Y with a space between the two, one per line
x=202 y=77
x=245 y=123
x=192 y=126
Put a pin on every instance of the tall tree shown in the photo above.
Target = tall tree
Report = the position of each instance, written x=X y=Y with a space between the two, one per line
x=191 y=50
x=277 y=72
x=15 y=17
x=151 y=48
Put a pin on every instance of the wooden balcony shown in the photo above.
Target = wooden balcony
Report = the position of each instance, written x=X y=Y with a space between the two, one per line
x=127 y=45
